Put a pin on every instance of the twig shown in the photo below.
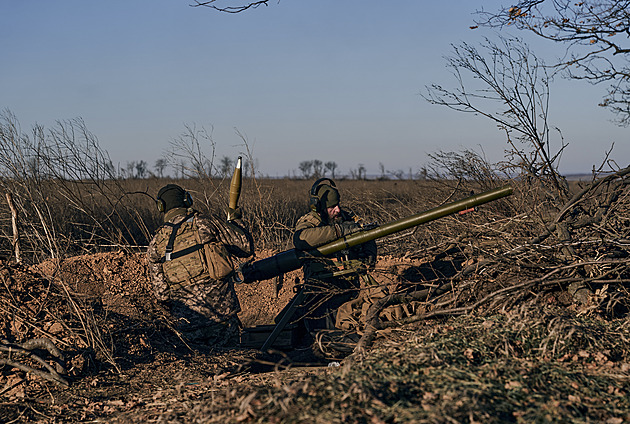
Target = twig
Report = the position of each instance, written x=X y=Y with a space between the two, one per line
x=16 y=232
x=25 y=349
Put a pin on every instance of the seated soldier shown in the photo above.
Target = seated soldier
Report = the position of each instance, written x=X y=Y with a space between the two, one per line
x=331 y=281
x=191 y=264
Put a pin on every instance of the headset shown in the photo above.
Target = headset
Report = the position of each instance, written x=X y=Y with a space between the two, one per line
x=161 y=204
x=315 y=201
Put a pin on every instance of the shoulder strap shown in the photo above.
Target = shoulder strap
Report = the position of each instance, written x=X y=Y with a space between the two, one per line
x=169 y=255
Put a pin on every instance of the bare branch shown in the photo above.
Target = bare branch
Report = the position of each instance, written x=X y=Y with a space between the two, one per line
x=506 y=83
x=212 y=4
x=595 y=33
x=25 y=350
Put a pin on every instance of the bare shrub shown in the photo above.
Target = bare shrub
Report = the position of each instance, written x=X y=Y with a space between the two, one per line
x=506 y=83
x=64 y=187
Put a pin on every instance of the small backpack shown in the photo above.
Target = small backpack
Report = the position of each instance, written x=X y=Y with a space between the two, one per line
x=186 y=259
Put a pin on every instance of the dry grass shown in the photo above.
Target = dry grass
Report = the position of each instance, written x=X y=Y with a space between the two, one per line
x=509 y=340
x=468 y=369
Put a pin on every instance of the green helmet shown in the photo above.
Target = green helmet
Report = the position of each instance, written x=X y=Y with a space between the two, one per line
x=324 y=196
x=172 y=196
x=329 y=196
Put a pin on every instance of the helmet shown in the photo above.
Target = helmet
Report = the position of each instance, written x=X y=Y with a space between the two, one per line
x=173 y=196
x=323 y=195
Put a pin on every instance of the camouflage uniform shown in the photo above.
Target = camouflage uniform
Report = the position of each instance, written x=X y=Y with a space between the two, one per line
x=334 y=280
x=206 y=310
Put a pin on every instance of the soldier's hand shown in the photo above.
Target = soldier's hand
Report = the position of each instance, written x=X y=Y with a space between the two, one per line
x=369 y=226
x=348 y=227
x=234 y=214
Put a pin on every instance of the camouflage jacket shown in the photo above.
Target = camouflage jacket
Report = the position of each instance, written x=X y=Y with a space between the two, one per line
x=213 y=300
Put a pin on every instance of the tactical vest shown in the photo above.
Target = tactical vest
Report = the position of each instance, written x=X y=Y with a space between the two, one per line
x=186 y=259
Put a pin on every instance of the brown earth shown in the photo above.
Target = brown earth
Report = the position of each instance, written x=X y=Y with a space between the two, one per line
x=120 y=353
x=536 y=356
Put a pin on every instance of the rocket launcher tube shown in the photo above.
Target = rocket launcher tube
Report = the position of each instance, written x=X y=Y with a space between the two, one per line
x=271 y=267
x=413 y=220
x=291 y=260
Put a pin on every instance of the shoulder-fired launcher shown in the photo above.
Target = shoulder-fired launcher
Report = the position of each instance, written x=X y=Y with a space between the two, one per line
x=291 y=260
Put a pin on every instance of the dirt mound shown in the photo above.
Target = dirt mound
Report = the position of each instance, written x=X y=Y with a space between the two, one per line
x=99 y=308
x=96 y=318
x=91 y=322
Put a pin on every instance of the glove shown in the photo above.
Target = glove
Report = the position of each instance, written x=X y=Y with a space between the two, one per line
x=233 y=214
x=369 y=226
x=347 y=227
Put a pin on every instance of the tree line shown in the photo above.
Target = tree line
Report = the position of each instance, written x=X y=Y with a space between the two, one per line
x=181 y=169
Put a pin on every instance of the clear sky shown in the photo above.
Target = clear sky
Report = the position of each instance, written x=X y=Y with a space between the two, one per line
x=334 y=80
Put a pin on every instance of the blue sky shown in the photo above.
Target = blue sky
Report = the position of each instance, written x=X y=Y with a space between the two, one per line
x=300 y=79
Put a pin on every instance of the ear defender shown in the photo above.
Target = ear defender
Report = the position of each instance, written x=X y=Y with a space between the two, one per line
x=315 y=201
x=188 y=201
x=161 y=205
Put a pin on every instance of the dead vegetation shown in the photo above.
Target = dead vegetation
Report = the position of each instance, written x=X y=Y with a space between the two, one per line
x=517 y=312
x=521 y=316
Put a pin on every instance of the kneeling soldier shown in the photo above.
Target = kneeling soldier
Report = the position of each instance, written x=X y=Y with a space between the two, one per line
x=191 y=264
x=331 y=281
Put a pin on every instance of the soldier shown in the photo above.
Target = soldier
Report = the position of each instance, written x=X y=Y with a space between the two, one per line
x=331 y=281
x=191 y=264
